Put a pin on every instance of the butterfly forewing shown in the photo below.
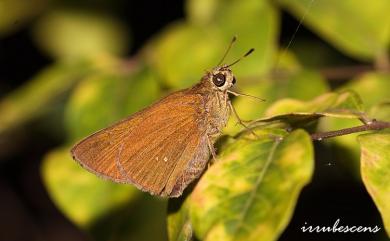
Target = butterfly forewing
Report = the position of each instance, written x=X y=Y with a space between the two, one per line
x=153 y=148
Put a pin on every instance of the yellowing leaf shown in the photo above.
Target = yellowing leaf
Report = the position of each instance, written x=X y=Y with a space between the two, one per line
x=252 y=190
x=375 y=170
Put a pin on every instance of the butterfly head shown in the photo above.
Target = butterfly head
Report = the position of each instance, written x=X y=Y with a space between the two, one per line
x=222 y=78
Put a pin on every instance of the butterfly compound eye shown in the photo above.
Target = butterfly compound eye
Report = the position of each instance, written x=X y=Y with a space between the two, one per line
x=234 y=80
x=219 y=80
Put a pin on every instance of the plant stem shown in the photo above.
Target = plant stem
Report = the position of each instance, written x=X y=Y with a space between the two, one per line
x=374 y=125
x=338 y=73
x=382 y=62
x=345 y=72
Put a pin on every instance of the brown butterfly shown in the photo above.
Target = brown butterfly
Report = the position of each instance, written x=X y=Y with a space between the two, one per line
x=164 y=147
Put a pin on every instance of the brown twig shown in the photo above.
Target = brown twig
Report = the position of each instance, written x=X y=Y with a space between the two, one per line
x=345 y=72
x=336 y=73
x=382 y=62
x=374 y=125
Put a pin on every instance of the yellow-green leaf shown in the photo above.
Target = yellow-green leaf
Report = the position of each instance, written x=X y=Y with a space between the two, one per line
x=301 y=85
x=179 y=224
x=104 y=98
x=40 y=93
x=372 y=89
x=345 y=104
x=356 y=27
x=369 y=83
x=380 y=111
x=183 y=52
x=81 y=195
x=375 y=171
x=256 y=25
x=252 y=190
x=74 y=34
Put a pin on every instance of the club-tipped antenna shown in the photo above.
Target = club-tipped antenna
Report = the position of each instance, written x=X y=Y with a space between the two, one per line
x=227 y=50
x=245 y=55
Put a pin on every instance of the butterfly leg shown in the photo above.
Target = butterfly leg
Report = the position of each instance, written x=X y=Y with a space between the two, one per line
x=239 y=119
x=212 y=149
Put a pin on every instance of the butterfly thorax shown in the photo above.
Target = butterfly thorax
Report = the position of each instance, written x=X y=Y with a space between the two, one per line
x=218 y=112
x=216 y=101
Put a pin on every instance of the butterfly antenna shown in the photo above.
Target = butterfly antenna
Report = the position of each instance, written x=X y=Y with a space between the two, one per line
x=227 y=50
x=241 y=94
x=284 y=52
x=245 y=55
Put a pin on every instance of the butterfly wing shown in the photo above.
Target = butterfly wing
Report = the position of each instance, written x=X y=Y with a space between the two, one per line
x=160 y=149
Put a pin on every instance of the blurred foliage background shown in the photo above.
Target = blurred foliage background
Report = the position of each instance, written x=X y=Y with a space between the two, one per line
x=69 y=68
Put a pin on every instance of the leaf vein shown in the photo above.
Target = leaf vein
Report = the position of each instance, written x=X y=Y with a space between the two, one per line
x=256 y=187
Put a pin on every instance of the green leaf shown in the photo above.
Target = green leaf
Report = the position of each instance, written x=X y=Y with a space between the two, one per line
x=105 y=97
x=179 y=224
x=301 y=85
x=39 y=94
x=183 y=52
x=375 y=169
x=345 y=104
x=185 y=49
x=369 y=83
x=256 y=25
x=356 y=27
x=252 y=190
x=74 y=34
x=372 y=89
x=81 y=195
x=380 y=111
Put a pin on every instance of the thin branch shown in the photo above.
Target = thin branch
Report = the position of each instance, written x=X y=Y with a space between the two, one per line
x=345 y=72
x=374 y=125
x=336 y=73
x=382 y=62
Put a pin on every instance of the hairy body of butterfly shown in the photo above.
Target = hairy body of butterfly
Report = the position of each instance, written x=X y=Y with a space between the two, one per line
x=164 y=147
